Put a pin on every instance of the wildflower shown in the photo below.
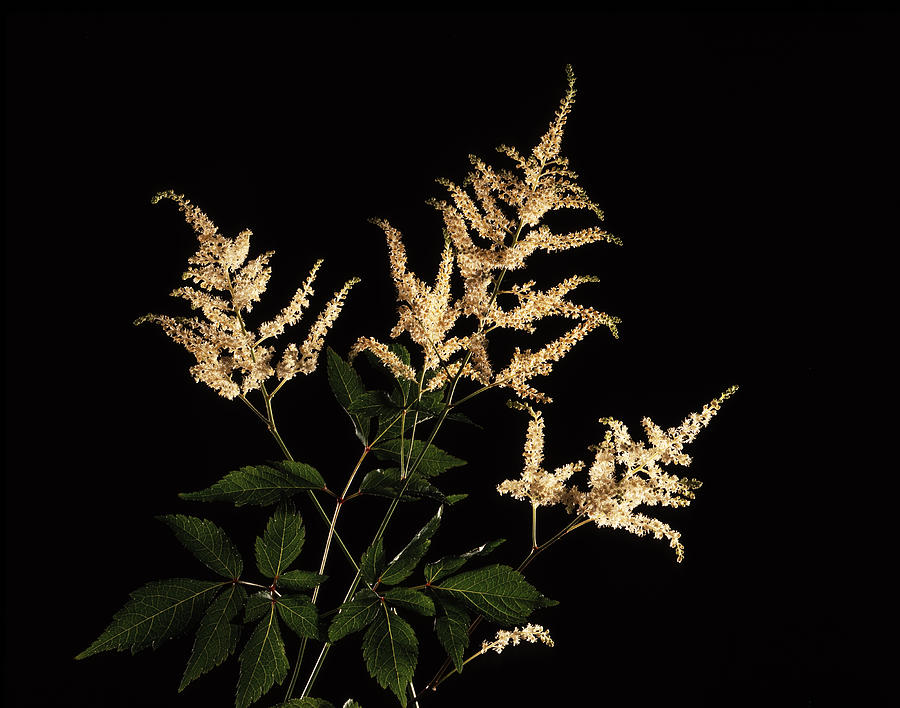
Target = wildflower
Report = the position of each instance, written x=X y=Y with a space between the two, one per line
x=231 y=358
x=532 y=633
x=540 y=487
x=492 y=226
x=623 y=476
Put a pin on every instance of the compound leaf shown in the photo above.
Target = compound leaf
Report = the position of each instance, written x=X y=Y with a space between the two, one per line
x=409 y=599
x=260 y=485
x=300 y=580
x=258 y=604
x=434 y=461
x=450 y=564
x=387 y=483
x=354 y=615
x=207 y=542
x=406 y=561
x=498 y=592
x=372 y=562
x=156 y=612
x=281 y=542
x=452 y=629
x=391 y=650
x=347 y=387
x=300 y=615
x=217 y=637
x=263 y=661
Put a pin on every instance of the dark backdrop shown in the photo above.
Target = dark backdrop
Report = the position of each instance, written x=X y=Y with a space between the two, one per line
x=741 y=158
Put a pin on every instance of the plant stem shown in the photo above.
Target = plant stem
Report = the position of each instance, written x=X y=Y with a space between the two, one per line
x=315 y=594
x=536 y=550
x=394 y=503
x=410 y=471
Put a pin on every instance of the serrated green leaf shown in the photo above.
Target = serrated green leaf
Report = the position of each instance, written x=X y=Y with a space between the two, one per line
x=300 y=580
x=406 y=561
x=258 y=604
x=498 y=592
x=299 y=614
x=263 y=661
x=207 y=542
x=387 y=483
x=281 y=542
x=260 y=485
x=156 y=612
x=391 y=650
x=455 y=498
x=372 y=562
x=452 y=629
x=372 y=404
x=347 y=387
x=434 y=462
x=409 y=599
x=216 y=637
x=450 y=564
x=306 y=703
x=354 y=615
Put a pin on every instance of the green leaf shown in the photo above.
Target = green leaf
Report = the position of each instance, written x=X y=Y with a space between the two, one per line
x=452 y=629
x=387 y=483
x=354 y=615
x=347 y=387
x=433 y=462
x=300 y=615
x=281 y=542
x=260 y=485
x=217 y=637
x=455 y=498
x=300 y=580
x=207 y=542
x=372 y=404
x=498 y=592
x=372 y=562
x=156 y=612
x=350 y=703
x=306 y=703
x=432 y=405
x=258 y=604
x=263 y=661
x=406 y=561
x=450 y=564
x=390 y=650
x=409 y=599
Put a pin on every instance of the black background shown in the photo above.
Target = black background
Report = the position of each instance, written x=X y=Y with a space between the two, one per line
x=746 y=161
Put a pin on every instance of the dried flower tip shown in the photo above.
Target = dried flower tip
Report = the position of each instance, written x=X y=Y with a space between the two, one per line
x=531 y=633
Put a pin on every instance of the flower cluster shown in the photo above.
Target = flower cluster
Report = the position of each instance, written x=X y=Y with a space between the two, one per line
x=493 y=224
x=231 y=358
x=532 y=633
x=624 y=475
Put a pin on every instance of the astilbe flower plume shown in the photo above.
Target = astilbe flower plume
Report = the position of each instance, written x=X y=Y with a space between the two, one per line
x=624 y=475
x=493 y=224
x=231 y=357
x=532 y=633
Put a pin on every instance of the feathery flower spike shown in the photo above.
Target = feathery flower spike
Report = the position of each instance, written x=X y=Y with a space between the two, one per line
x=624 y=475
x=230 y=357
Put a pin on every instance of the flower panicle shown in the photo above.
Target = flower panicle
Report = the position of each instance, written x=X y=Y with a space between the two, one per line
x=230 y=357
x=624 y=475
x=492 y=223
x=532 y=633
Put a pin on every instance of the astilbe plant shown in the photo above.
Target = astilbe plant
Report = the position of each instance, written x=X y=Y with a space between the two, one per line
x=494 y=223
